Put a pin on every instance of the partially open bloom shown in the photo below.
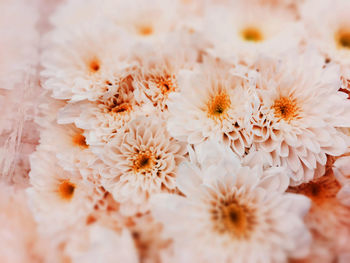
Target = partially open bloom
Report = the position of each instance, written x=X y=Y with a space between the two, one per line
x=232 y=216
x=141 y=161
x=68 y=144
x=105 y=117
x=158 y=77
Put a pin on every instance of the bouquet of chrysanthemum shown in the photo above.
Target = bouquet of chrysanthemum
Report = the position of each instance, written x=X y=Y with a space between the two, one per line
x=202 y=131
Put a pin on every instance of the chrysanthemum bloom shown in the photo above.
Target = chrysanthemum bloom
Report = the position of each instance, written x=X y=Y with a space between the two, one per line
x=331 y=34
x=146 y=22
x=159 y=73
x=232 y=215
x=328 y=218
x=244 y=29
x=78 y=62
x=59 y=199
x=141 y=160
x=100 y=244
x=103 y=118
x=19 y=237
x=211 y=104
x=68 y=144
x=299 y=114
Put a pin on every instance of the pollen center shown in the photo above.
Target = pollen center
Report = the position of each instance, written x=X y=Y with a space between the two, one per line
x=252 y=34
x=143 y=162
x=236 y=219
x=80 y=141
x=165 y=84
x=66 y=190
x=343 y=39
x=286 y=109
x=94 y=65
x=123 y=107
x=218 y=105
x=145 y=30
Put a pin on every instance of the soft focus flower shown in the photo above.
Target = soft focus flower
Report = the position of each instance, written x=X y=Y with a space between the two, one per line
x=328 y=218
x=79 y=62
x=59 y=199
x=244 y=29
x=101 y=244
x=331 y=34
x=232 y=216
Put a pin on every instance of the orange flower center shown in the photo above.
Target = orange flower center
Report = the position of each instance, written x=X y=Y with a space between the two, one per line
x=342 y=38
x=145 y=30
x=252 y=34
x=321 y=190
x=80 y=140
x=143 y=162
x=218 y=105
x=66 y=190
x=234 y=218
x=94 y=65
x=165 y=84
x=286 y=109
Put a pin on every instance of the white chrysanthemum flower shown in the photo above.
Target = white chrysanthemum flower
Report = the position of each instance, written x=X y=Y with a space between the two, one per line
x=101 y=244
x=60 y=199
x=159 y=73
x=301 y=109
x=244 y=29
x=331 y=34
x=141 y=160
x=78 y=62
x=211 y=104
x=232 y=215
x=146 y=22
x=69 y=145
x=103 y=118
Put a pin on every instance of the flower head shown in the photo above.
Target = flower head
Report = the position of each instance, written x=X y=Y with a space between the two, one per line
x=228 y=212
x=140 y=161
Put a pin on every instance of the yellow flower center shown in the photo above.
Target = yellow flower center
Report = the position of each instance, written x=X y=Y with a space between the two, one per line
x=286 y=108
x=66 y=190
x=343 y=39
x=252 y=34
x=218 y=105
x=80 y=140
x=143 y=162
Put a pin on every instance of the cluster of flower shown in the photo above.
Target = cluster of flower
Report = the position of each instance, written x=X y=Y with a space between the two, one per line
x=179 y=131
